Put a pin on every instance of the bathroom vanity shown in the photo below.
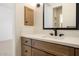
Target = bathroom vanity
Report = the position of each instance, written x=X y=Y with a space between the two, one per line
x=56 y=16
x=39 y=46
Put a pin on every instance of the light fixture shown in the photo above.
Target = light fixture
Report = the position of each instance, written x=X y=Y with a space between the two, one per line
x=35 y=4
x=38 y=5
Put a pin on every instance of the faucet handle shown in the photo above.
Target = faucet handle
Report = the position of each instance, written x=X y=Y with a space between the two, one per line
x=61 y=35
x=51 y=34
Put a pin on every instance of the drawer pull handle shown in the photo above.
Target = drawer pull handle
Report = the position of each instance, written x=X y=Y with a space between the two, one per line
x=26 y=51
x=26 y=41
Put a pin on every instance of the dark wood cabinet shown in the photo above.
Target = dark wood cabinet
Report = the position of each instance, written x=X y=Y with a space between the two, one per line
x=52 y=48
x=32 y=47
x=25 y=47
x=26 y=41
x=37 y=52
x=76 y=52
x=26 y=51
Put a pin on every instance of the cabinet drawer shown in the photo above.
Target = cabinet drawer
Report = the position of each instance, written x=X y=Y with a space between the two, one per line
x=26 y=51
x=36 y=52
x=26 y=41
x=53 y=48
x=77 y=52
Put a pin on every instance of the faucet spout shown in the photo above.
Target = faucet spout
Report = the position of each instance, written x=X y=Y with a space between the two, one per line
x=55 y=32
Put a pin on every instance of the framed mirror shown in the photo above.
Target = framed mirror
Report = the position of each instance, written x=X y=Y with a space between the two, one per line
x=60 y=16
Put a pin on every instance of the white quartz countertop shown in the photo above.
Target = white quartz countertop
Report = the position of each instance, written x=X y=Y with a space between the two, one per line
x=68 y=41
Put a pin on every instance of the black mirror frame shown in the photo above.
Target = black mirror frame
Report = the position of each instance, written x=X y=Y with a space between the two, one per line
x=77 y=20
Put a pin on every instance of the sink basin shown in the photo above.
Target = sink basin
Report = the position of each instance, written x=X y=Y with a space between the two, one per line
x=50 y=36
x=53 y=37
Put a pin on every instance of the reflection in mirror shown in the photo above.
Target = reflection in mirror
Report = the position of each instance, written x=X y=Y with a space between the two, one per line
x=57 y=16
x=60 y=15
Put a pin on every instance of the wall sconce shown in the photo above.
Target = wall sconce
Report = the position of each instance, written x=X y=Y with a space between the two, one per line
x=38 y=5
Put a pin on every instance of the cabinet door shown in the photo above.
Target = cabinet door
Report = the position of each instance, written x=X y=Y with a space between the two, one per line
x=28 y=16
x=36 y=52
x=26 y=51
x=52 y=48
x=77 y=52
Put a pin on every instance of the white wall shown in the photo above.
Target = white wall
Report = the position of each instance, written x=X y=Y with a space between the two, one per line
x=10 y=28
x=7 y=28
x=6 y=48
x=18 y=25
x=6 y=21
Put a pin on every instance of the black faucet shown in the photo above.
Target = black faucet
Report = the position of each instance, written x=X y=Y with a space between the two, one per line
x=55 y=33
x=51 y=34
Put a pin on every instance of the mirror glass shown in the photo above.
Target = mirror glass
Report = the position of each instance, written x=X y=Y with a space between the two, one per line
x=59 y=15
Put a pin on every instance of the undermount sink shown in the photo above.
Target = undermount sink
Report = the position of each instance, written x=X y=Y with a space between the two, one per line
x=53 y=37
x=45 y=36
